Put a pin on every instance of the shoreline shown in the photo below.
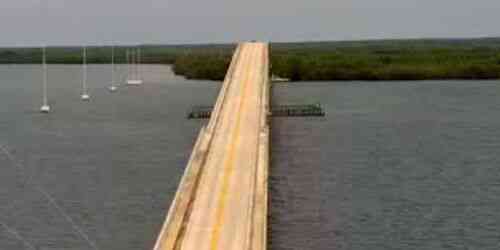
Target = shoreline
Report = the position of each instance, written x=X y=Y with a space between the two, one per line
x=281 y=82
x=380 y=60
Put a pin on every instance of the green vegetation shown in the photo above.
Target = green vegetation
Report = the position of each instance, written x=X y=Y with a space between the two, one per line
x=388 y=60
x=355 y=60
x=192 y=61
x=207 y=62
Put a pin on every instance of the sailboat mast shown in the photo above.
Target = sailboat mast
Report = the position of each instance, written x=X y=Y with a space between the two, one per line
x=84 y=84
x=45 y=108
x=128 y=63
x=135 y=64
x=44 y=62
x=139 y=63
x=132 y=59
x=113 y=64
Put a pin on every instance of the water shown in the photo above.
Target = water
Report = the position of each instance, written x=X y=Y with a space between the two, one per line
x=111 y=165
x=394 y=165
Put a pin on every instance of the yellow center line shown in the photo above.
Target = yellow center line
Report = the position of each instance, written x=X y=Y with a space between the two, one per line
x=229 y=165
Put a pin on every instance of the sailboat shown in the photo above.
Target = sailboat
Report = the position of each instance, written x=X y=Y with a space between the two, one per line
x=45 y=106
x=85 y=95
x=112 y=87
x=138 y=65
x=133 y=78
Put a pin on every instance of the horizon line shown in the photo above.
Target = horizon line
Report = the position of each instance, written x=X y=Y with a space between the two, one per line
x=271 y=42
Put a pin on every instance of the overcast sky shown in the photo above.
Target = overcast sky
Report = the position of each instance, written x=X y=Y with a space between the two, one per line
x=95 y=22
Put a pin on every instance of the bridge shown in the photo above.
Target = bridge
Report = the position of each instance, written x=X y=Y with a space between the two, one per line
x=221 y=202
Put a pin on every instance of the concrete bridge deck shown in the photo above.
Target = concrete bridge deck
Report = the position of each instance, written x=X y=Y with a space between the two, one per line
x=221 y=203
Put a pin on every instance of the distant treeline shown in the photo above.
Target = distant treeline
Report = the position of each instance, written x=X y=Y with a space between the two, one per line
x=151 y=54
x=356 y=60
x=388 y=60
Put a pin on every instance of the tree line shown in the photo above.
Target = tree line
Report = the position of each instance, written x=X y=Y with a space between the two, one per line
x=313 y=61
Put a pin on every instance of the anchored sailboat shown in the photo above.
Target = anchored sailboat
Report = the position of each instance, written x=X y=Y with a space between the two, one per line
x=85 y=95
x=112 y=87
x=134 y=75
x=45 y=106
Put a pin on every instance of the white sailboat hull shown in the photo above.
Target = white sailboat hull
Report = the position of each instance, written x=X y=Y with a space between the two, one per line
x=112 y=88
x=134 y=82
x=45 y=109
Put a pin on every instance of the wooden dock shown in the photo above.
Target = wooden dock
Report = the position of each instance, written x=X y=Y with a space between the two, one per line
x=204 y=112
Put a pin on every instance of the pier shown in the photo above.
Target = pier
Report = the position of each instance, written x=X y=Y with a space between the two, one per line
x=204 y=112
x=221 y=201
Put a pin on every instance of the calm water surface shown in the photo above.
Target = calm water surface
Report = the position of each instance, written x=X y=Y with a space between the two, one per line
x=111 y=165
x=393 y=166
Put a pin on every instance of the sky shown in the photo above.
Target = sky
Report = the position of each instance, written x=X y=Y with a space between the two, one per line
x=103 y=22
